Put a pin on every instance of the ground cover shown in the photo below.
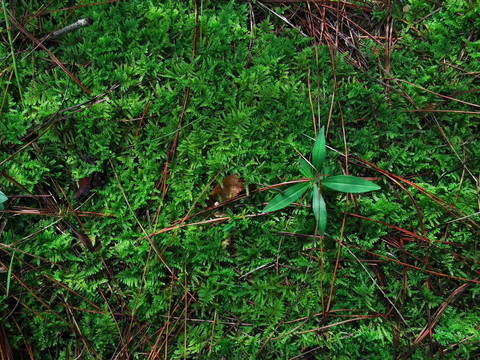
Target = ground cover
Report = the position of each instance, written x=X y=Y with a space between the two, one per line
x=112 y=242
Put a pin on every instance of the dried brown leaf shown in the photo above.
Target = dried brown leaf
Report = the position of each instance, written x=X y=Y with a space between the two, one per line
x=231 y=186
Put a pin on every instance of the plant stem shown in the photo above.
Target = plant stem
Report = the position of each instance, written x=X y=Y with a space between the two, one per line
x=7 y=24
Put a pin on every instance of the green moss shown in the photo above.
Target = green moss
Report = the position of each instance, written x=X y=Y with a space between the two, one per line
x=248 y=110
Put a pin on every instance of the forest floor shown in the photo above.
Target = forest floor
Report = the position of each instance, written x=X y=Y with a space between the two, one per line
x=139 y=151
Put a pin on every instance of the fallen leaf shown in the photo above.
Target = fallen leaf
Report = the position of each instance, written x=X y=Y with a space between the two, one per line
x=84 y=186
x=231 y=186
x=89 y=182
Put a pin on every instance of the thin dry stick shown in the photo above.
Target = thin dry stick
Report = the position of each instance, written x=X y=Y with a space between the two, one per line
x=79 y=24
x=334 y=92
x=166 y=325
x=270 y=337
x=428 y=329
x=37 y=269
x=388 y=51
x=336 y=324
x=264 y=266
x=442 y=111
x=434 y=93
x=458 y=192
x=186 y=301
x=319 y=98
x=177 y=227
x=148 y=236
x=316 y=42
x=141 y=119
x=344 y=215
x=430 y=272
x=321 y=247
x=171 y=153
x=279 y=16
x=135 y=306
x=379 y=288
x=88 y=244
x=213 y=327
x=435 y=119
x=59 y=63
x=309 y=83
x=112 y=314
x=459 y=219
x=168 y=320
x=451 y=209
x=445 y=137
x=177 y=319
x=337 y=261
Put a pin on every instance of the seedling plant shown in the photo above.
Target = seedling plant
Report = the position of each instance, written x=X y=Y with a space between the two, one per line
x=319 y=176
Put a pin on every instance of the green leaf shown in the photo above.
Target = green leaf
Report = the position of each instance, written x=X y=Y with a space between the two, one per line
x=349 y=184
x=305 y=168
x=319 y=209
x=289 y=196
x=319 y=150
x=3 y=198
x=10 y=273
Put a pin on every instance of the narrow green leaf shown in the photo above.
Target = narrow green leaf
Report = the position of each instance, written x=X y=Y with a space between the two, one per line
x=319 y=150
x=315 y=201
x=305 y=168
x=322 y=222
x=349 y=184
x=10 y=273
x=289 y=196
x=319 y=209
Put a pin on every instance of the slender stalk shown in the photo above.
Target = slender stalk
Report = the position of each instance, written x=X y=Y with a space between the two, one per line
x=9 y=276
x=7 y=24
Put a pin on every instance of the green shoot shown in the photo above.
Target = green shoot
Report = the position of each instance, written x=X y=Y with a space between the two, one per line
x=12 y=50
x=342 y=183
